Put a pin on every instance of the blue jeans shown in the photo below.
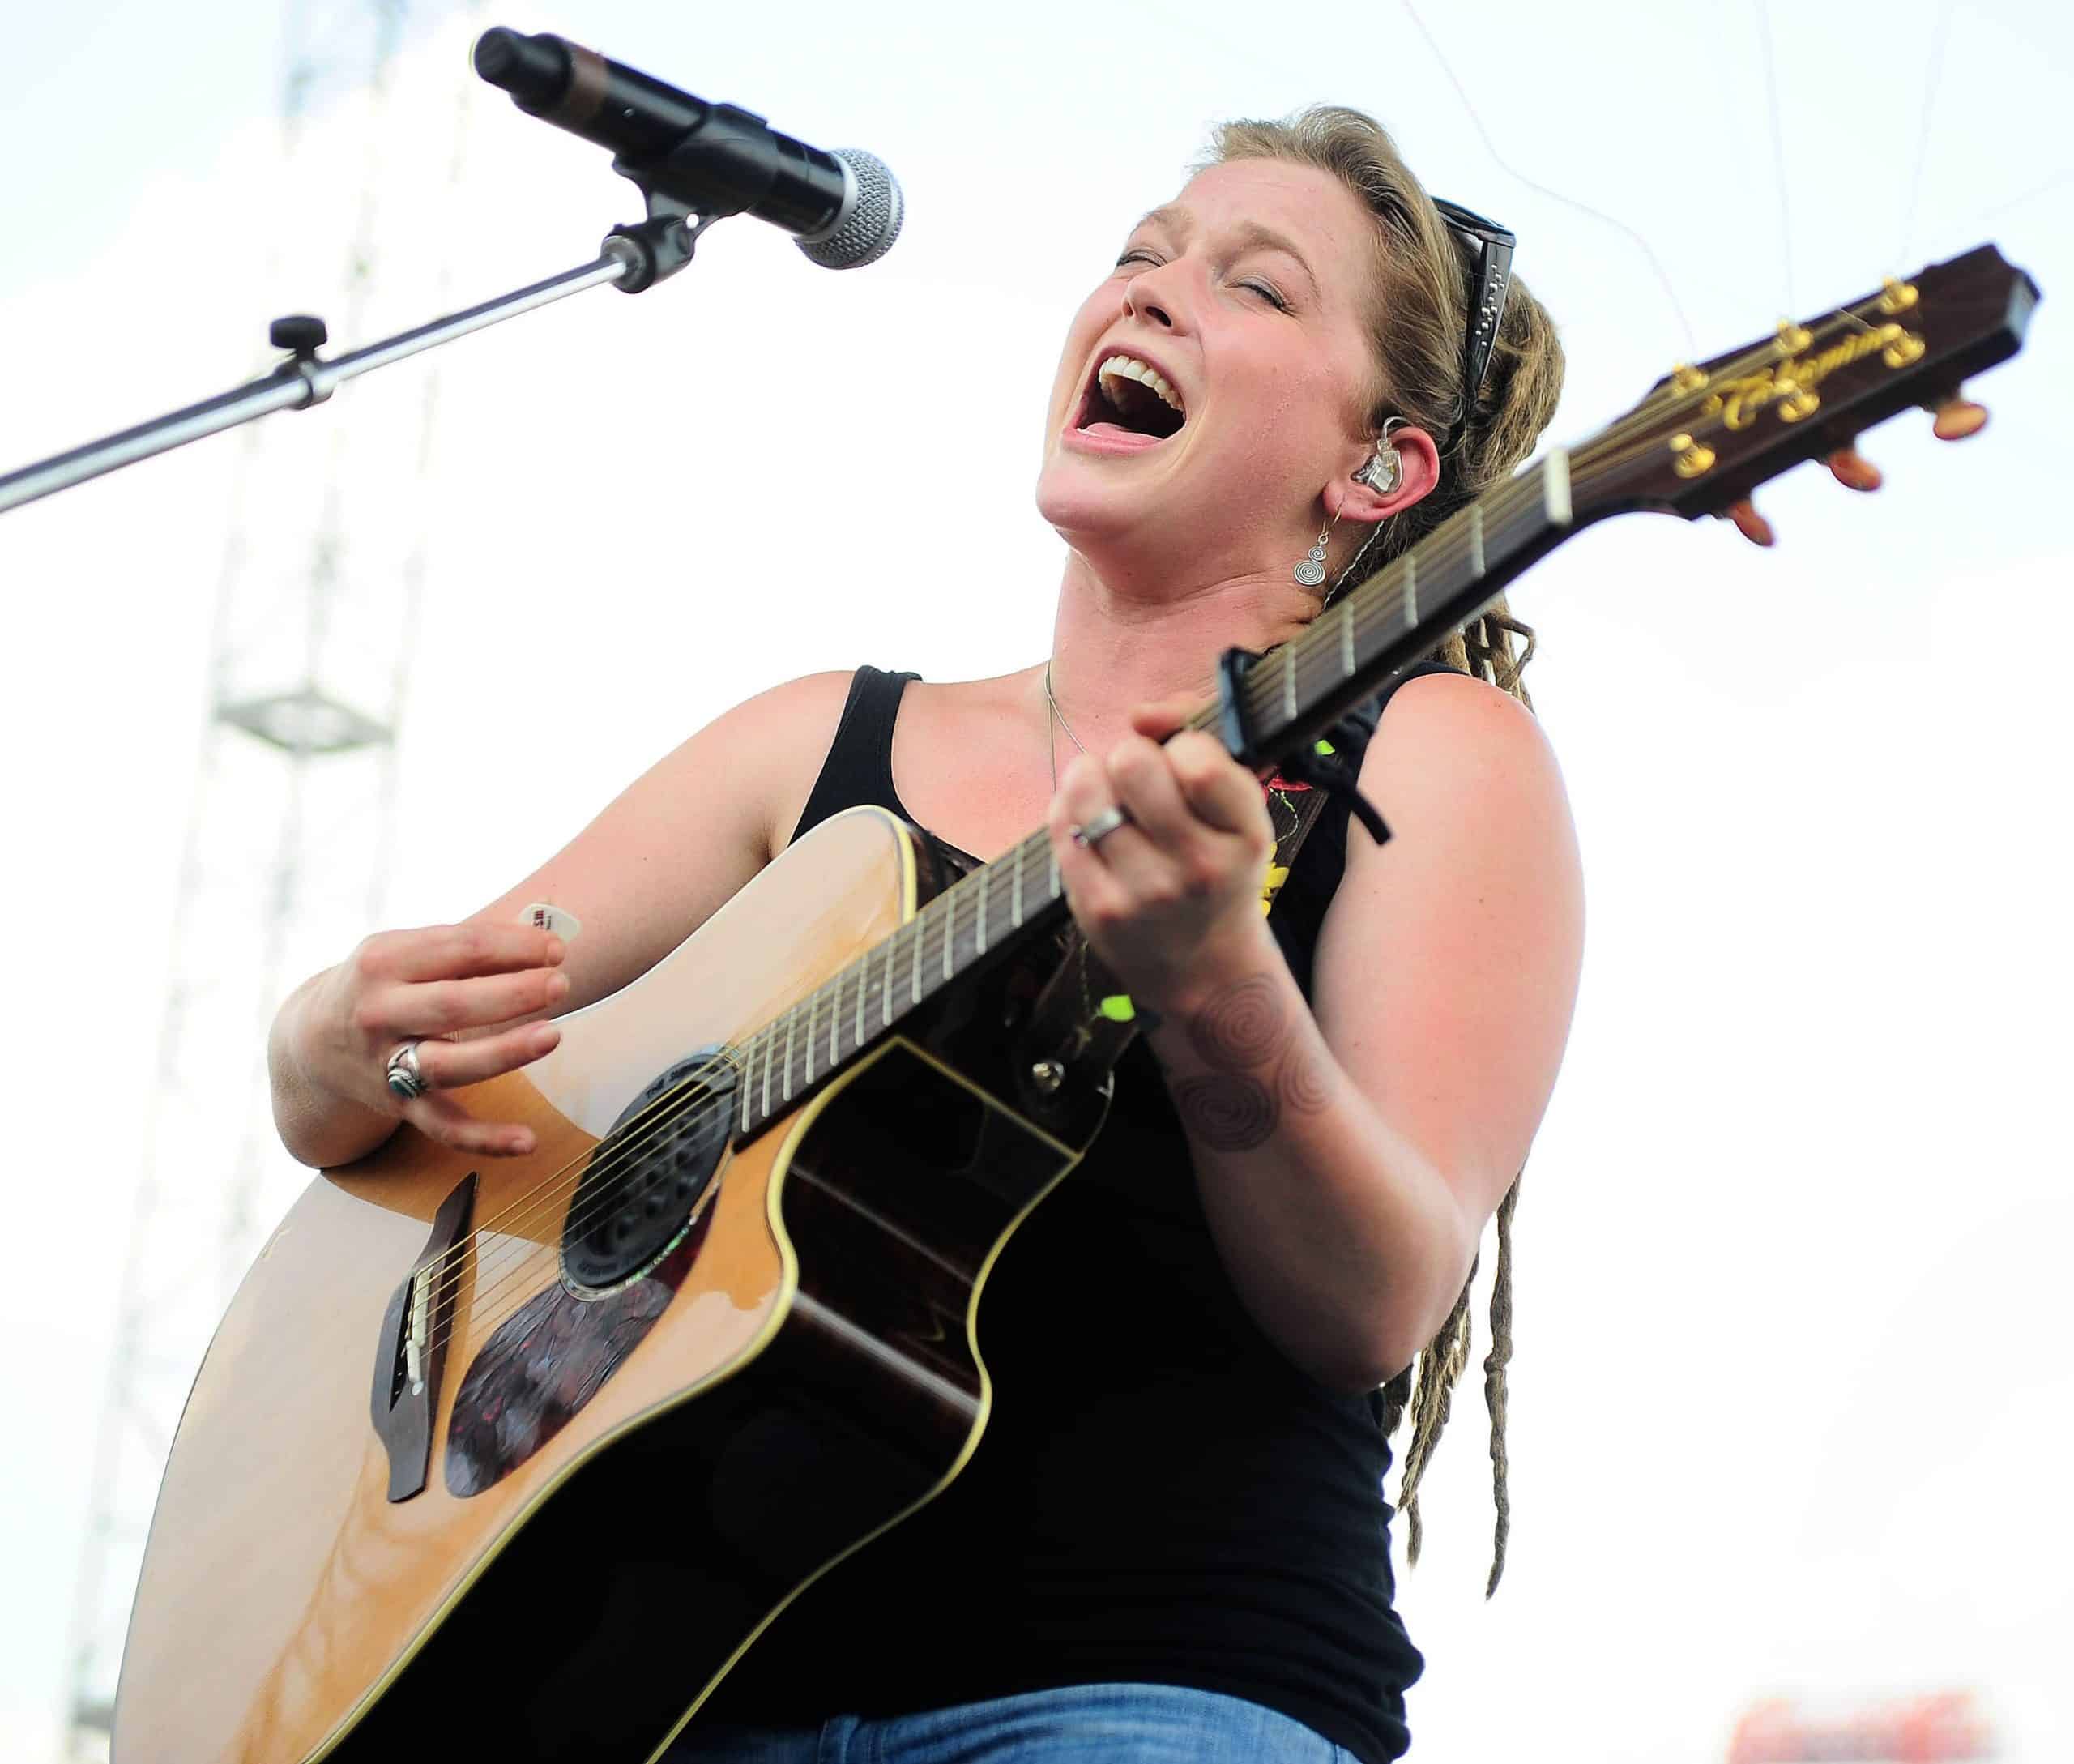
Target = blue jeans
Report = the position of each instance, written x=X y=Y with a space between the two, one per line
x=1098 y=1723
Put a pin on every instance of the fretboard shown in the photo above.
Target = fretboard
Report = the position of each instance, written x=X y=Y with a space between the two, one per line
x=1296 y=692
x=1292 y=694
x=982 y=914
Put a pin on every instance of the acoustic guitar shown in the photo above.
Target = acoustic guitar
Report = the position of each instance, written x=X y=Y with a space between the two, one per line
x=514 y=1460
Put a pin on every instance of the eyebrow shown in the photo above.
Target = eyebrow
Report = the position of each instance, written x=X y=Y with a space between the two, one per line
x=1250 y=232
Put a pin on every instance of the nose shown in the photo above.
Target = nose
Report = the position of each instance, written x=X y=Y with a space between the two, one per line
x=1143 y=299
x=1139 y=307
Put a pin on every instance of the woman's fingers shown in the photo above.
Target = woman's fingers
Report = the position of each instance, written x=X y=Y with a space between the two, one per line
x=1162 y=716
x=439 y=1007
x=447 y=1065
x=1216 y=790
x=457 y=951
x=441 y=1117
x=1140 y=779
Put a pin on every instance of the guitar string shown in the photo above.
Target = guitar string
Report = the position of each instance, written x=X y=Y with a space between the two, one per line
x=1645 y=415
x=1632 y=450
x=1363 y=609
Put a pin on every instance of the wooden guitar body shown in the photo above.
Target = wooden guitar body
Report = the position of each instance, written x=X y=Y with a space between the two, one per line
x=619 y=1487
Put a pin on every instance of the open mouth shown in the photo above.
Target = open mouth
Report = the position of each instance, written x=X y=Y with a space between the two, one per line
x=1133 y=398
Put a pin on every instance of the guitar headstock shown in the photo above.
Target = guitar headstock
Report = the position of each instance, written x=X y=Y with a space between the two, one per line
x=1706 y=434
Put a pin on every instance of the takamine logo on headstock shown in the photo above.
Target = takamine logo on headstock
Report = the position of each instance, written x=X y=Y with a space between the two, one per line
x=1791 y=383
x=1701 y=439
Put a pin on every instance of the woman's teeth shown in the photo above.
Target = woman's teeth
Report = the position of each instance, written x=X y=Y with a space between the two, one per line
x=1127 y=367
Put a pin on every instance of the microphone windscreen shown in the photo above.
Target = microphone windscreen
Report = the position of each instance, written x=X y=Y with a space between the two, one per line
x=868 y=224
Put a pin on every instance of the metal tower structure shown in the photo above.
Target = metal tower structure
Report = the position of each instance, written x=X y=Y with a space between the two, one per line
x=288 y=843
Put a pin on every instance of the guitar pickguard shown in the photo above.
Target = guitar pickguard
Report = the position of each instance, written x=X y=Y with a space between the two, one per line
x=545 y=1361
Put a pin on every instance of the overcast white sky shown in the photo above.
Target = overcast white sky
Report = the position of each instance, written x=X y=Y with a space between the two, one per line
x=1791 y=1407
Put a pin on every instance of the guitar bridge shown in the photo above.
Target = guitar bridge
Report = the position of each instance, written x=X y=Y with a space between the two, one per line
x=411 y=1349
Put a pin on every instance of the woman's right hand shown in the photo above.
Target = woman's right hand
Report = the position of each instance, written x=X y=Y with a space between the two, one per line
x=421 y=986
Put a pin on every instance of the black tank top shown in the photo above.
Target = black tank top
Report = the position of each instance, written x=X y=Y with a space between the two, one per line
x=1190 y=1511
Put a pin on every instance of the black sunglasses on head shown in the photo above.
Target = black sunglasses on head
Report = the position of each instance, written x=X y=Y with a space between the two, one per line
x=1491 y=280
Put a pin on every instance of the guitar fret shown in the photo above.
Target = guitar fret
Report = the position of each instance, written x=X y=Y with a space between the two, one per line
x=864 y=977
x=915 y=978
x=748 y=1081
x=1052 y=872
x=1346 y=640
x=811 y=997
x=835 y=1020
x=985 y=870
x=1476 y=542
x=768 y=1047
x=886 y=985
x=1289 y=683
x=1015 y=890
x=790 y=1018
x=948 y=923
x=1411 y=589
x=1555 y=487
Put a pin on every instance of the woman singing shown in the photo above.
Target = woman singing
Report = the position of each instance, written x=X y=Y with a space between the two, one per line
x=1172 y=1542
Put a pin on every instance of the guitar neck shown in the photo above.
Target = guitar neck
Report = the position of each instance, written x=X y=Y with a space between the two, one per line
x=1292 y=694
x=1295 y=693
x=980 y=916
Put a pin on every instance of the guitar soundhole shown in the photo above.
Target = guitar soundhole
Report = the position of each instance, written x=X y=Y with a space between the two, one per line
x=651 y=1174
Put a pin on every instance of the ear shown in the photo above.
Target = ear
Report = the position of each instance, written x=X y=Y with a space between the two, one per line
x=1355 y=500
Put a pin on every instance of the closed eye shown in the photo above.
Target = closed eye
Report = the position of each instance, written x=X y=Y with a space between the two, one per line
x=1266 y=290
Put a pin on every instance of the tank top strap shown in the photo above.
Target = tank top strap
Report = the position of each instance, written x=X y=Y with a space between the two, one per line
x=859 y=768
x=1307 y=889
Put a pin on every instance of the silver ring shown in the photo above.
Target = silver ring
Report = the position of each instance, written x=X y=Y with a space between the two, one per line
x=1101 y=827
x=405 y=1077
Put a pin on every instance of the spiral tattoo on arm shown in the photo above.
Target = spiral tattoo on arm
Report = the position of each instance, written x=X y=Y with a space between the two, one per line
x=1301 y=1085
x=1227 y=1113
x=1242 y=1026
x=1261 y=1063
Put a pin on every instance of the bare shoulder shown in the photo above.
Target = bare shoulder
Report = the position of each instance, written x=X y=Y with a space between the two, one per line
x=947 y=706
x=1467 y=778
x=783 y=734
x=679 y=841
x=1461 y=725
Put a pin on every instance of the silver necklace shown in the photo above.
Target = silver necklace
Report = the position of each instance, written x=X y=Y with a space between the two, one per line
x=1050 y=746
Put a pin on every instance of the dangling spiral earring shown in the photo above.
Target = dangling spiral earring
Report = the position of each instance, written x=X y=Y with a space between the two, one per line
x=1312 y=570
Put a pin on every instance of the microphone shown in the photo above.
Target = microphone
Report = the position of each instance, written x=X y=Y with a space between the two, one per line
x=844 y=208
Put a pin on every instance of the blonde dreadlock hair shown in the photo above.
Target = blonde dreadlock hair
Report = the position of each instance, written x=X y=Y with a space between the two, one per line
x=1417 y=323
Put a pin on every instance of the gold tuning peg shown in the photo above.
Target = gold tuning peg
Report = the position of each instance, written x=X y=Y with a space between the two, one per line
x=1749 y=523
x=1957 y=417
x=1853 y=470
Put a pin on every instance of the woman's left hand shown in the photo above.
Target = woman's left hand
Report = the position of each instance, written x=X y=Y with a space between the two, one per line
x=1171 y=900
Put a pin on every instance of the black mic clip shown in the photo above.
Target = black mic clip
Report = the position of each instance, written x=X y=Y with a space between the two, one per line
x=1307 y=764
x=728 y=158
x=661 y=244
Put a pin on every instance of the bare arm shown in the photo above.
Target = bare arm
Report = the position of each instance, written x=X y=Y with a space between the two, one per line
x=1348 y=1155
x=660 y=860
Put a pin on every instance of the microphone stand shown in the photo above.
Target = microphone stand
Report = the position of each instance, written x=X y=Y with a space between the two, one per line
x=634 y=258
